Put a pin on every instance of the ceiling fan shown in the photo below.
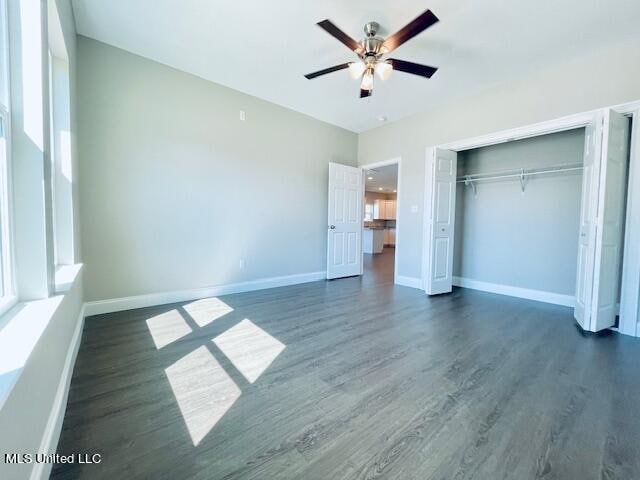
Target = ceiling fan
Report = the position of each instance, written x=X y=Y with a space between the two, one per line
x=372 y=48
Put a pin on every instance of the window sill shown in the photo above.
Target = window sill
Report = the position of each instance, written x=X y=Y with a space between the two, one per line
x=65 y=276
x=6 y=304
x=20 y=329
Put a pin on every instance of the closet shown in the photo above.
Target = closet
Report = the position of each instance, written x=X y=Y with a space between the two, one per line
x=516 y=230
x=540 y=217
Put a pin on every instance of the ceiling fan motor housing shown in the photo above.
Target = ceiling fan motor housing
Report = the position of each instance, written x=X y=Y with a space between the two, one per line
x=371 y=28
x=371 y=44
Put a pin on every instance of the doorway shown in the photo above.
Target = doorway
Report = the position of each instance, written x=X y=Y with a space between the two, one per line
x=381 y=220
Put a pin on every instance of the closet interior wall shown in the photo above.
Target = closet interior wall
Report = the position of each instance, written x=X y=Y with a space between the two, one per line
x=529 y=239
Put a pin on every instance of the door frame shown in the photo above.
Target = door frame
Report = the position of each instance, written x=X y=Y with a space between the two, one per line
x=386 y=163
x=631 y=256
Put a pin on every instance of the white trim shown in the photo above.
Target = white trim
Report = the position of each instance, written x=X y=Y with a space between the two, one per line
x=51 y=435
x=386 y=163
x=529 y=294
x=139 y=301
x=412 y=282
x=628 y=108
x=7 y=303
x=630 y=284
x=7 y=244
x=65 y=276
x=537 y=129
x=426 y=218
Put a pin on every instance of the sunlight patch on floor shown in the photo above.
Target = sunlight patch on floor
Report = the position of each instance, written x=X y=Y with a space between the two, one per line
x=167 y=327
x=249 y=348
x=203 y=390
x=207 y=310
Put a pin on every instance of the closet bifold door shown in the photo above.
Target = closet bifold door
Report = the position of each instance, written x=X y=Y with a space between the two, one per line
x=602 y=222
x=439 y=263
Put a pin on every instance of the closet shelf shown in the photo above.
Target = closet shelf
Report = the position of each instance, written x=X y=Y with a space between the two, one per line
x=522 y=174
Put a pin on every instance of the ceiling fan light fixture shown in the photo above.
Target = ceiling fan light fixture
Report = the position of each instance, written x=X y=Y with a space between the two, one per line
x=357 y=69
x=372 y=48
x=367 y=80
x=383 y=70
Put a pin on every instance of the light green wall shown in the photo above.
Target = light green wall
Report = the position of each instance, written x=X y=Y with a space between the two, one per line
x=527 y=240
x=175 y=189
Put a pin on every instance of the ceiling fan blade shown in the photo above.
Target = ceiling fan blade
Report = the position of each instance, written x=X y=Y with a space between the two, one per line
x=365 y=93
x=414 y=68
x=339 y=35
x=327 y=70
x=410 y=30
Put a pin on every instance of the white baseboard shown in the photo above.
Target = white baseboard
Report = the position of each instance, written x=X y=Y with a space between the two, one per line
x=538 y=295
x=152 y=299
x=408 y=281
x=51 y=435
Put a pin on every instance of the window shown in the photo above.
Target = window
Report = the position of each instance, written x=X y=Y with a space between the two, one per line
x=7 y=292
x=368 y=212
x=8 y=295
x=61 y=166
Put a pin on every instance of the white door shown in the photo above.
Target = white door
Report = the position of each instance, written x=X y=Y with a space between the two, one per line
x=588 y=209
x=344 y=234
x=439 y=264
x=629 y=301
x=610 y=227
x=598 y=280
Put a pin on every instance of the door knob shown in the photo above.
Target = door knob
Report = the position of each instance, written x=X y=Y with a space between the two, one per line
x=332 y=227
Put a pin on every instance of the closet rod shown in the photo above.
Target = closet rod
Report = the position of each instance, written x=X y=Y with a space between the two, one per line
x=492 y=176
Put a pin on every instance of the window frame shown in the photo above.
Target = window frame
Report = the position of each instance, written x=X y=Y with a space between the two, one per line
x=61 y=154
x=8 y=292
x=368 y=218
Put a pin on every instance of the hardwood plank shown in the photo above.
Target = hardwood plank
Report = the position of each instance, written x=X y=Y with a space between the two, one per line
x=354 y=378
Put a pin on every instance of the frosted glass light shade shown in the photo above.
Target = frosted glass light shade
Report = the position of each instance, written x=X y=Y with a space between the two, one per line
x=367 y=80
x=356 y=69
x=383 y=70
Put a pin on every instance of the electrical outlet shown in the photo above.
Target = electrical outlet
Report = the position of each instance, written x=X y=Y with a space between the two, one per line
x=243 y=116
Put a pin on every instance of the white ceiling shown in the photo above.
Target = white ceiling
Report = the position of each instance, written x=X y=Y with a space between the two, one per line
x=382 y=179
x=264 y=48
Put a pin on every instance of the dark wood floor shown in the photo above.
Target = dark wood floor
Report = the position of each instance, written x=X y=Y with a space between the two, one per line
x=353 y=378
